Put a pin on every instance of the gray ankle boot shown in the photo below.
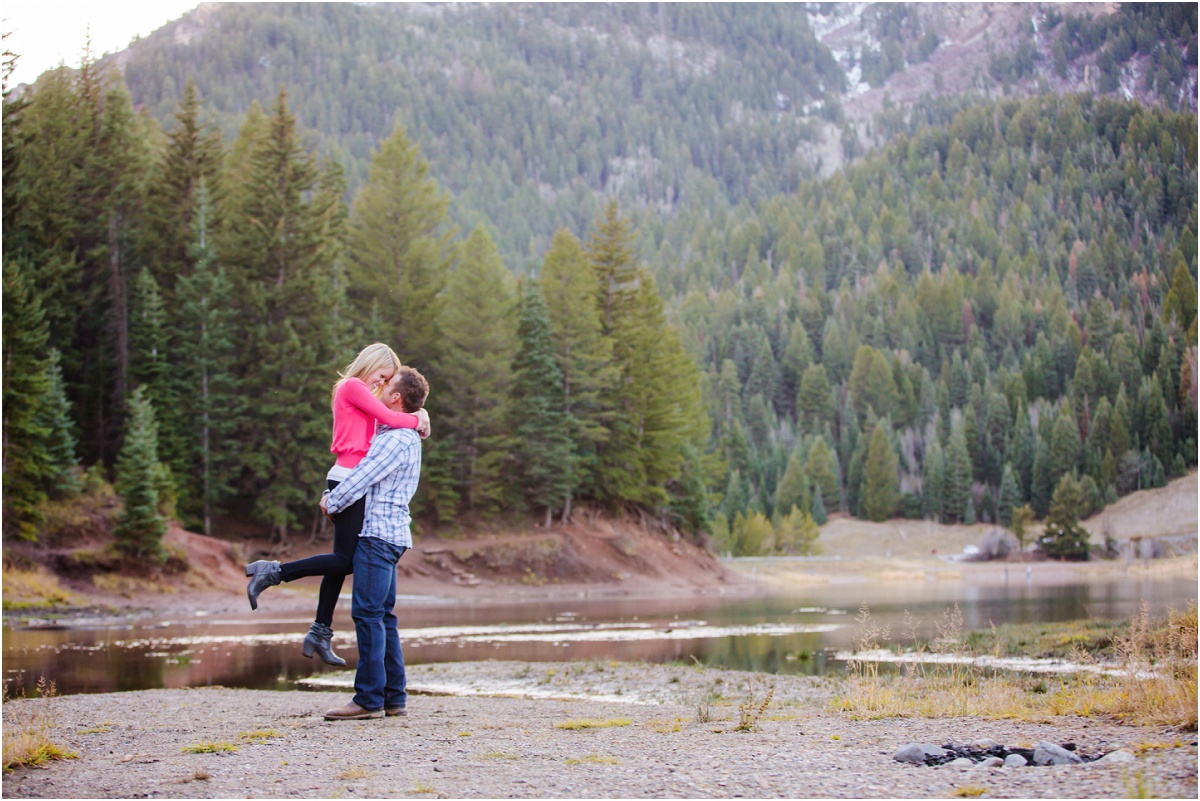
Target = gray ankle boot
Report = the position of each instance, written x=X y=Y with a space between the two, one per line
x=319 y=641
x=262 y=574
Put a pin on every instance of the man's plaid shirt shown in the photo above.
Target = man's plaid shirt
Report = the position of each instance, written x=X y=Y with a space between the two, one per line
x=388 y=475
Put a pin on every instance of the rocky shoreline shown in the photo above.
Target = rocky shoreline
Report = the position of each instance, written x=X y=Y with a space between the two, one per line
x=571 y=730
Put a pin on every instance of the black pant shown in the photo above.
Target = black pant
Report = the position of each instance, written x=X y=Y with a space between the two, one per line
x=334 y=567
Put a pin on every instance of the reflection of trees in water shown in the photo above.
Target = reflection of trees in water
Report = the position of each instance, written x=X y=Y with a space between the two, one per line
x=87 y=661
x=802 y=654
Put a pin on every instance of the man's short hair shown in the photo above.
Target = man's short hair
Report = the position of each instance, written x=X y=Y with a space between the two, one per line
x=412 y=388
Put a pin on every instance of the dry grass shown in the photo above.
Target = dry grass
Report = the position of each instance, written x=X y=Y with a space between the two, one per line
x=592 y=723
x=1157 y=683
x=354 y=773
x=751 y=710
x=258 y=736
x=28 y=730
x=29 y=589
x=210 y=747
x=594 y=759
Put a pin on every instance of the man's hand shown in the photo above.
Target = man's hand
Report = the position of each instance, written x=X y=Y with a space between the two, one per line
x=325 y=503
x=423 y=424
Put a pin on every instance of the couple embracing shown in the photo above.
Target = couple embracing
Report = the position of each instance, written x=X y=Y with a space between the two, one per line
x=379 y=421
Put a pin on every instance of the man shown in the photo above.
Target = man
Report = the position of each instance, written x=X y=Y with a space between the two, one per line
x=388 y=476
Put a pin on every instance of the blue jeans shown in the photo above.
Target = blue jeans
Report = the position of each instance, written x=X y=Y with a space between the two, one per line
x=379 y=679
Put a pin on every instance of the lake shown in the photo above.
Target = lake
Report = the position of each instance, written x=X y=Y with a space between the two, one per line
x=794 y=632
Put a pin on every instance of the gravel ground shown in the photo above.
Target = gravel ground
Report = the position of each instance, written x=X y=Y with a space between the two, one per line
x=672 y=733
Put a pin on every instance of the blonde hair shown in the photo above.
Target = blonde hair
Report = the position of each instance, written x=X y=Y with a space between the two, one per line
x=368 y=360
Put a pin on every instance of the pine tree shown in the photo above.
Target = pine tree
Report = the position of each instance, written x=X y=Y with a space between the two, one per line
x=881 y=476
x=793 y=488
x=27 y=459
x=610 y=249
x=149 y=350
x=584 y=354
x=871 y=384
x=1065 y=448
x=1041 y=486
x=1063 y=537
x=140 y=527
x=542 y=447
x=933 y=484
x=958 y=476
x=399 y=247
x=736 y=498
x=814 y=404
x=54 y=415
x=480 y=343
x=1010 y=496
x=187 y=166
x=822 y=470
x=819 y=515
x=279 y=237
x=1150 y=412
x=206 y=385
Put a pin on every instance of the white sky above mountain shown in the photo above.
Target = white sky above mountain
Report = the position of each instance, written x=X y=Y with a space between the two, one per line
x=45 y=33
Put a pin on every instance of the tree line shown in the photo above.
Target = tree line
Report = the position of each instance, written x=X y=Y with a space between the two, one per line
x=177 y=309
x=1000 y=300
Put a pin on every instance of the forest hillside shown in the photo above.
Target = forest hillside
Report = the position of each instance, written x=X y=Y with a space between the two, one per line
x=730 y=269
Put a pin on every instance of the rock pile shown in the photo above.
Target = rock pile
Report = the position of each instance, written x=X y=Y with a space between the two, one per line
x=985 y=753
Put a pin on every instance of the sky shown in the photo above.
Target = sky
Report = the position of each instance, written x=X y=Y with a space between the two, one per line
x=44 y=33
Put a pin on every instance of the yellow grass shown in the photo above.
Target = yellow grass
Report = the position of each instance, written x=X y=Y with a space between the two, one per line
x=210 y=747
x=1157 y=686
x=33 y=588
x=28 y=729
x=594 y=759
x=592 y=723
x=259 y=736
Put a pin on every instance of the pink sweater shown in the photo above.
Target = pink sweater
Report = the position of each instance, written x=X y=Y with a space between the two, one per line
x=355 y=411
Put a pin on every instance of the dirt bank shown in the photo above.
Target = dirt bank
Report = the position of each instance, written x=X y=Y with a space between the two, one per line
x=598 y=556
x=684 y=742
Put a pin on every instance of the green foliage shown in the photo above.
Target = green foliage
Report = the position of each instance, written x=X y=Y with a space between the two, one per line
x=797 y=533
x=881 y=494
x=963 y=278
x=480 y=342
x=141 y=477
x=542 y=447
x=1022 y=516
x=62 y=477
x=27 y=459
x=1063 y=537
x=793 y=489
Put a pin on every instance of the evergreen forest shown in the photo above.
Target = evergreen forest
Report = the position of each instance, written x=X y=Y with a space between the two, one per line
x=989 y=316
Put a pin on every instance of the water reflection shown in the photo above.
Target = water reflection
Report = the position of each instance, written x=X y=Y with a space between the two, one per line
x=777 y=634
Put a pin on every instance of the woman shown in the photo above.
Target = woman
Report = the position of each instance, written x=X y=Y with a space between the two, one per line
x=356 y=409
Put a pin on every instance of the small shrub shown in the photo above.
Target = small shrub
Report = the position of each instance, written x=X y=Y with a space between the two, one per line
x=28 y=726
x=751 y=710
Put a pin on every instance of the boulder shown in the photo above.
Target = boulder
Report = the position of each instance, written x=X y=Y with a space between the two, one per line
x=1118 y=757
x=1047 y=753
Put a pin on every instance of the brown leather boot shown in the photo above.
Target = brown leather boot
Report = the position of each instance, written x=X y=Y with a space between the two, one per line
x=353 y=711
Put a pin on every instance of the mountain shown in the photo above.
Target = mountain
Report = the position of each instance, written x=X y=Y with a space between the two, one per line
x=527 y=111
x=775 y=261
